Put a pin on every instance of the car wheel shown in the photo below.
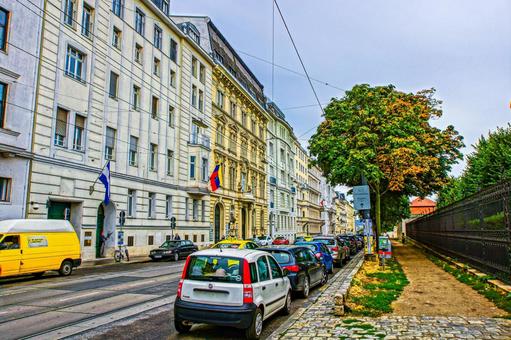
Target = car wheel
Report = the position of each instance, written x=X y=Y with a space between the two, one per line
x=66 y=268
x=287 y=307
x=306 y=287
x=180 y=326
x=324 y=277
x=176 y=256
x=256 y=328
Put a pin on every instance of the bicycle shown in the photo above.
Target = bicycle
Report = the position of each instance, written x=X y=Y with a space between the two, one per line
x=119 y=254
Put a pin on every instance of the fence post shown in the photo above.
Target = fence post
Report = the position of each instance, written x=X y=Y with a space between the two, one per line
x=507 y=220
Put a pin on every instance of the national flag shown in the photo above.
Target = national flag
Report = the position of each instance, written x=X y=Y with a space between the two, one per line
x=214 y=179
x=105 y=179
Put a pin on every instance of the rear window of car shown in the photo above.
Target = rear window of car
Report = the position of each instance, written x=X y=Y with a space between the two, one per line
x=227 y=245
x=327 y=241
x=281 y=256
x=310 y=246
x=215 y=268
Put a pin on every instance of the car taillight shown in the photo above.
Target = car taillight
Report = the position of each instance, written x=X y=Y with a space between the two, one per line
x=179 y=288
x=185 y=269
x=294 y=268
x=335 y=248
x=248 y=291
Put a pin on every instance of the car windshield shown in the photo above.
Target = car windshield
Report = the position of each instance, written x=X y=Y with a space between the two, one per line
x=281 y=256
x=170 y=244
x=227 y=245
x=327 y=241
x=215 y=268
x=310 y=246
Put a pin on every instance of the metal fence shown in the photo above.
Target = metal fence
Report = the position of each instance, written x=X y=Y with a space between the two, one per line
x=476 y=230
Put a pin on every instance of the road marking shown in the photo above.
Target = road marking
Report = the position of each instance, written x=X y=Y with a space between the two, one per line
x=78 y=296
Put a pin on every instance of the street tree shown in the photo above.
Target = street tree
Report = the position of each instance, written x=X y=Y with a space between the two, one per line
x=385 y=135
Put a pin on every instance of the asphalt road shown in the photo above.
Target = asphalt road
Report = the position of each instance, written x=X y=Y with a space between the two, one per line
x=126 y=301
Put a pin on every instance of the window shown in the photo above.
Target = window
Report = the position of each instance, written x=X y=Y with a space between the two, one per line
x=262 y=268
x=156 y=67
x=220 y=135
x=157 y=37
x=151 y=207
x=69 y=12
x=168 y=206
x=204 y=169
x=232 y=178
x=87 y=239
x=61 y=127
x=154 y=107
x=276 y=273
x=233 y=109
x=203 y=211
x=87 y=21
x=133 y=151
x=253 y=126
x=218 y=57
x=201 y=101
x=132 y=202
x=171 y=116
x=139 y=21
x=194 y=35
x=173 y=50
x=243 y=118
x=194 y=67
x=139 y=54
x=153 y=157
x=5 y=189
x=220 y=99
x=170 y=162
x=78 y=135
x=116 y=38
x=203 y=239
x=117 y=7
x=110 y=143
x=202 y=74
x=172 y=78
x=192 y=167
x=136 y=98
x=195 y=210
x=75 y=63
x=187 y=209
x=195 y=133
x=194 y=96
x=150 y=240
x=4 y=29
x=114 y=80
x=131 y=241
x=3 y=102
x=165 y=6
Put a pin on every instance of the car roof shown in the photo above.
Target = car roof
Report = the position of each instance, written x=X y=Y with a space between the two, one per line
x=242 y=253
x=280 y=247
x=234 y=241
x=37 y=226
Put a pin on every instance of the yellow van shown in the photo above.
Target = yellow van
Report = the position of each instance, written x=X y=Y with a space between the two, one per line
x=36 y=246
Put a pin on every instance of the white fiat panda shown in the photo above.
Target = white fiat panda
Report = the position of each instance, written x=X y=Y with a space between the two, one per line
x=229 y=287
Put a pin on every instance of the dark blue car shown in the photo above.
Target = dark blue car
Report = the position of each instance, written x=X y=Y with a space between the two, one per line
x=320 y=248
x=304 y=269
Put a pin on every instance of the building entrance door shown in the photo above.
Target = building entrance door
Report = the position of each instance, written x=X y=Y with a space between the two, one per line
x=218 y=222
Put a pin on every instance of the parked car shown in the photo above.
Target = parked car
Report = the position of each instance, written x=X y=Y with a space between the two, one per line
x=236 y=244
x=36 y=246
x=303 y=239
x=263 y=240
x=228 y=287
x=350 y=242
x=280 y=240
x=174 y=249
x=339 y=252
x=320 y=248
x=305 y=269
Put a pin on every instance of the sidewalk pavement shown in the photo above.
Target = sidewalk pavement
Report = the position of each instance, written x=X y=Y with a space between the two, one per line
x=319 y=322
x=110 y=261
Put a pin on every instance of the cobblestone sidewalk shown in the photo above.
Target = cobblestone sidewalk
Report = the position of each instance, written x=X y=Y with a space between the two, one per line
x=319 y=322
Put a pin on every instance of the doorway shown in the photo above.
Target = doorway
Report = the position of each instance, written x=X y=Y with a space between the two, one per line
x=100 y=225
x=217 y=222
x=243 y=223
x=59 y=211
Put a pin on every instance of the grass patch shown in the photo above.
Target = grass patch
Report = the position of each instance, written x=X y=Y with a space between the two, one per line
x=373 y=290
x=480 y=284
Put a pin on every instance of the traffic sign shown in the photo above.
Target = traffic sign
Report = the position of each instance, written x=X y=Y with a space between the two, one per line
x=120 y=238
x=172 y=222
x=122 y=218
x=361 y=197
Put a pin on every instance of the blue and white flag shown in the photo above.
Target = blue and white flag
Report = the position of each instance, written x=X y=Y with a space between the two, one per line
x=105 y=179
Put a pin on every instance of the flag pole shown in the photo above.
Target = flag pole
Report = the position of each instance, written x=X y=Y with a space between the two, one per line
x=91 y=188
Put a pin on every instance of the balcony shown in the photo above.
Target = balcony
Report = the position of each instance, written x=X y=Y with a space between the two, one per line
x=200 y=140
x=273 y=180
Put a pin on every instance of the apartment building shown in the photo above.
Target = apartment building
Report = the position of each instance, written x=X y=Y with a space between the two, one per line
x=239 y=207
x=328 y=196
x=281 y=169
x=20 y=29
x=120 y=82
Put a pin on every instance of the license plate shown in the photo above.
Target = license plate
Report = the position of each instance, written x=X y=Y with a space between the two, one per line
x=157 y=256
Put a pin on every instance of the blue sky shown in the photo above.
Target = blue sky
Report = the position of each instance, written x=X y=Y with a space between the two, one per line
x=460 y=47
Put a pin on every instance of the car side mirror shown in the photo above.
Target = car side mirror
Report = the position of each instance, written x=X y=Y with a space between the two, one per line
x=285 y=272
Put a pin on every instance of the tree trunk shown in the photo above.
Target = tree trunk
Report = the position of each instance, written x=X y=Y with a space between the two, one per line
x=378 y=216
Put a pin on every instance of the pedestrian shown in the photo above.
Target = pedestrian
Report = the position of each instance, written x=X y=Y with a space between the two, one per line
x=403 y=238
x=176 y=237
x=102 y=241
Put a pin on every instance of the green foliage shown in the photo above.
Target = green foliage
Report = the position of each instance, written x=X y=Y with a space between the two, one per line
x=489 y=164
x=385 y=135
x=380 y=290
